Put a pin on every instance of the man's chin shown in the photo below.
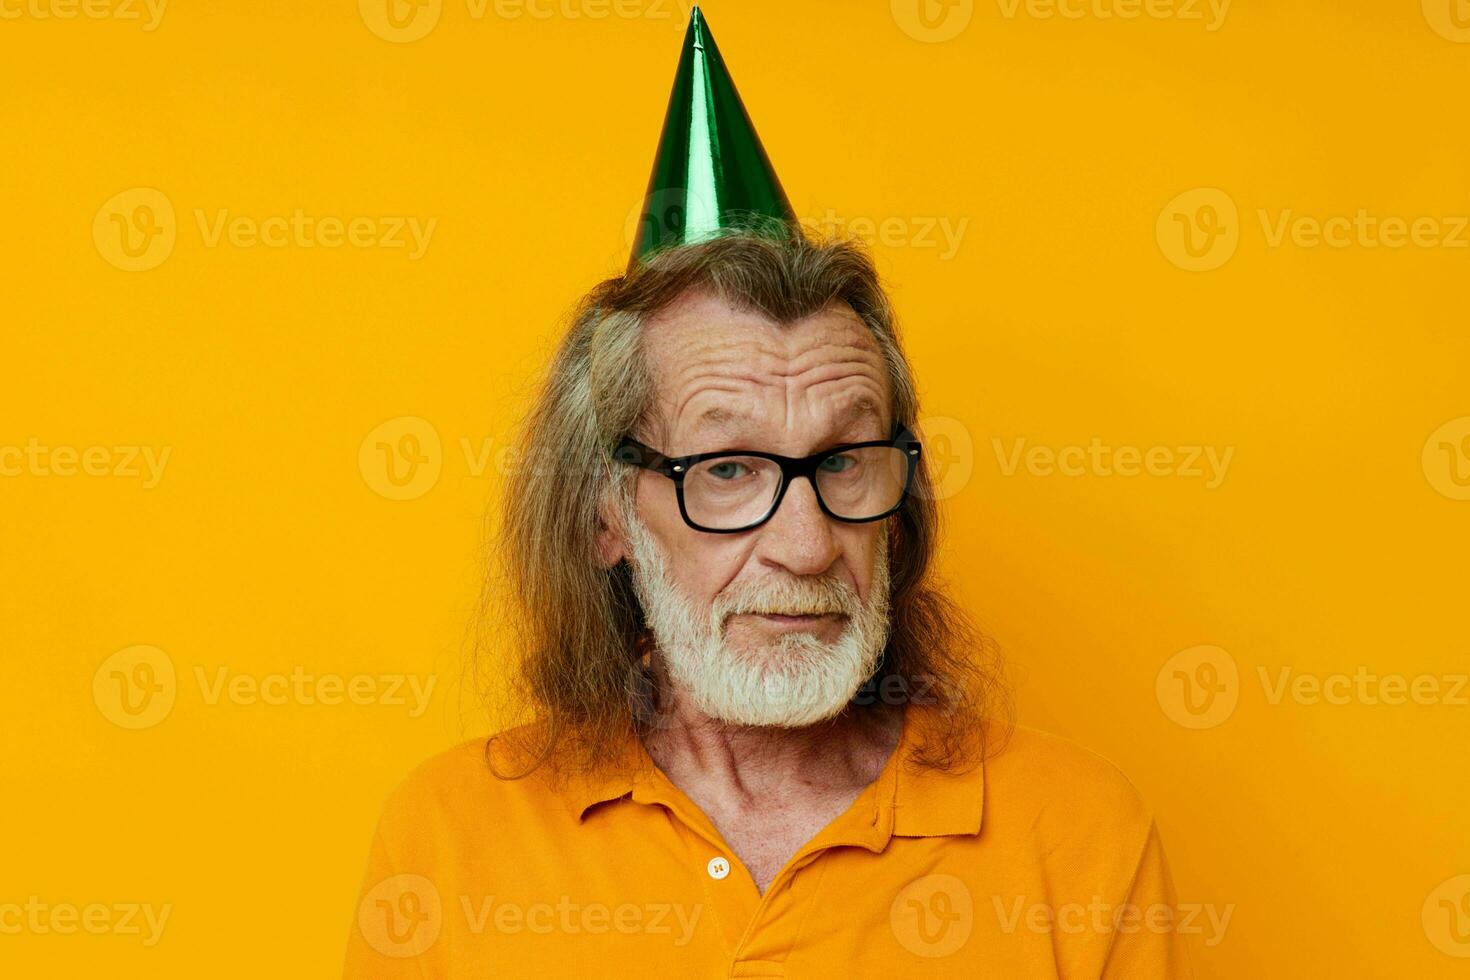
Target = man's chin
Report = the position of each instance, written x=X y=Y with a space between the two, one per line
x=774 y=715
x=774 y=688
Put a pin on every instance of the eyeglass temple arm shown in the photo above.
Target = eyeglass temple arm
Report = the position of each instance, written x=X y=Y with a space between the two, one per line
x=635 y=453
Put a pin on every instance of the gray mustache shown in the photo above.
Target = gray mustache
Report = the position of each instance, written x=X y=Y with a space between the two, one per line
x=789 y=598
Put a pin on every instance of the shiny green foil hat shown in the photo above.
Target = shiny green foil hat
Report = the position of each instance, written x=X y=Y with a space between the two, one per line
x=711 y=172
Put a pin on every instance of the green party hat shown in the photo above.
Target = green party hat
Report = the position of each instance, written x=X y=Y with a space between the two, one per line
x=711 y=172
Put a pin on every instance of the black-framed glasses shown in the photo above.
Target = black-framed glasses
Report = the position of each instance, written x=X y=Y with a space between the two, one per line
x=738 y=490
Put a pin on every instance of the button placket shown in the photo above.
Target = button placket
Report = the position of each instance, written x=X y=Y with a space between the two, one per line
x=731 y=897
x=744 y=916
x=798 y=891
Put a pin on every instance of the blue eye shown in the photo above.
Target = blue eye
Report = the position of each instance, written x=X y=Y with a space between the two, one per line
x=837 y=464
x=726 y=470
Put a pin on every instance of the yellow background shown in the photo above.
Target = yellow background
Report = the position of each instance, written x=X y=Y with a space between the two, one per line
x=1333 y=542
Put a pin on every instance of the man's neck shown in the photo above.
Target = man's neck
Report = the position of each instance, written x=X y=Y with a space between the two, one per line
x=770 y=790
x=758 y=766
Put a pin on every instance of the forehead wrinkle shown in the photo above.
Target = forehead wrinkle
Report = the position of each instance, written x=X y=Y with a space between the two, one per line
x=818 y=384
x=865 y=401
x=720 y=363
x=738 y=423
x=855 y=366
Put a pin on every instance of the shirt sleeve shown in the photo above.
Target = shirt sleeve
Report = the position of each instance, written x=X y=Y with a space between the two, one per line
x=1149 y=941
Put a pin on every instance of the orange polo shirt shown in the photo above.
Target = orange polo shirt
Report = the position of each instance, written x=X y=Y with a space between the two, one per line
x=1042 y=862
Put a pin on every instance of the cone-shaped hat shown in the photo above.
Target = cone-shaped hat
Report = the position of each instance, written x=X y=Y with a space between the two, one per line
x=711 y=171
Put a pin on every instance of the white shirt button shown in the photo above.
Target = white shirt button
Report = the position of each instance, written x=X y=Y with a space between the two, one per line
x=718 y=868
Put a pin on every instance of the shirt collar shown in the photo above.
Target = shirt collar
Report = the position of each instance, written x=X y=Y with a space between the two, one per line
x=929 y=802
x=631 y=763
x=910 y=802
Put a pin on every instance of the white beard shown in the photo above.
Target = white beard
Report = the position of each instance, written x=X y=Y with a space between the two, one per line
x=796 y=681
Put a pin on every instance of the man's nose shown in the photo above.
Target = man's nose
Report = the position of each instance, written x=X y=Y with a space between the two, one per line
x=798 y=537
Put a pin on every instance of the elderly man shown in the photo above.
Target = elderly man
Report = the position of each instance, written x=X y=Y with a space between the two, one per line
x=760 y=740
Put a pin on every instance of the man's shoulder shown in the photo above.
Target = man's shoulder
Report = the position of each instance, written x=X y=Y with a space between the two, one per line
x=464 y=780
x=451 y=770
x=1039 y=772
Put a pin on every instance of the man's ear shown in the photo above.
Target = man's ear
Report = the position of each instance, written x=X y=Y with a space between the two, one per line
x=611 y=542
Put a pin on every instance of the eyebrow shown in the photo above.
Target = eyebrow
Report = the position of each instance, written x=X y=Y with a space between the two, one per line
x=861 y=408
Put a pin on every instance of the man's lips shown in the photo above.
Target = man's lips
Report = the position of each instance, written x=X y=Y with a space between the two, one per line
x=786 y=620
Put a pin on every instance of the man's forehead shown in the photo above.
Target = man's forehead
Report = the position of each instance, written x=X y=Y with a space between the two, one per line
x=719 y=368
x=701 y=320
